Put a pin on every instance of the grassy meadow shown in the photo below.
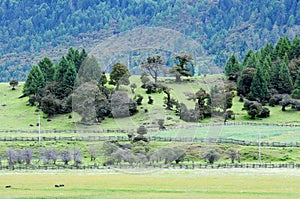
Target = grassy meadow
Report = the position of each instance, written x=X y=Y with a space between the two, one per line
x=236 y=183
x=15 y=114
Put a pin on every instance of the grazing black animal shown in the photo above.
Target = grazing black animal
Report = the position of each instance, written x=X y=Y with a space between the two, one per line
x=8 y=186
x=57 y=185
x=61 y=185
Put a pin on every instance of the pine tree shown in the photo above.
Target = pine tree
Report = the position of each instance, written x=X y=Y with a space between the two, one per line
x=47 y=68
x=232 y=66
x=285 y=84
x=258 y=89
x=76 y=57
x=296 y=91
x=252 y=61
x=69 y=78
x=90 y=70
x=65 y=77
x=295 y=51
x=61 y=69
x=282 y=47
x=35 y=81
x=246 y=59
x=274 y=79
x=267 y=69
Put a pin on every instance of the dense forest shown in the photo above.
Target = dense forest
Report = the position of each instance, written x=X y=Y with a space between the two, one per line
x=33 y=29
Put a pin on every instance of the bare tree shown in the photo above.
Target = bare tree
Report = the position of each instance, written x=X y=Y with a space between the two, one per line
x=211 y=155
x=233 y=154
x=12 y=157
x=66 y=156
x=93 y=152
x=27 y=155
x=77 y=156
x=48 y=155
x=118 y=155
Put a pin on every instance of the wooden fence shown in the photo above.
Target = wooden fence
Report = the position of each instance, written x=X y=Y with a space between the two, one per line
x=152 y=128
x=160 y=166
x=155 y=139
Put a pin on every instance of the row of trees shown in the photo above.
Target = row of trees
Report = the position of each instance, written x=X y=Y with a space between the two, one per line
x=43 y=156
x=142 y=153
x=115 y=153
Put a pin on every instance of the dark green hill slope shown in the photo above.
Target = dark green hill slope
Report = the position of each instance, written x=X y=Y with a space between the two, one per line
x=32 y=29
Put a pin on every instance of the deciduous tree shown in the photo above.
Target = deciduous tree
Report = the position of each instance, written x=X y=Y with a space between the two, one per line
x=153 y=66
x=183 y=66
x=119 y=75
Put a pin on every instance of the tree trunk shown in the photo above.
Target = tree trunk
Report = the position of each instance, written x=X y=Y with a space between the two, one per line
x=155 y=77
x=178 y=79
x=168 y=101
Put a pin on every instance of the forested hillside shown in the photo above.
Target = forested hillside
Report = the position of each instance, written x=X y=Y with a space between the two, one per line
x=35 y=28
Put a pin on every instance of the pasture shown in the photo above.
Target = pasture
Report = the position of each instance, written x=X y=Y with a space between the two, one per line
x=223 y=183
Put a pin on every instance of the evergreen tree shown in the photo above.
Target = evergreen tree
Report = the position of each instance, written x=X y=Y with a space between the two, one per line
x=252 y=61
x=47 y=68
x=69 y=78
x=76 y=57
x=245 y=80
x=61 y=69
x=247 y=57
x=295 y=52
x=35 y=81
x=65 y=77
x=267 y=64
x=232 y=66
x=275 y=70
x=282 y=47
x=285 y=84
x=82 y=56
x=119 y=75
x=296 y=91
x=258 y=89
x=90 y=70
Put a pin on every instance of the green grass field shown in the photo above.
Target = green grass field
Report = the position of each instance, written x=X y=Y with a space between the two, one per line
x=235 y=183
x=16 y=115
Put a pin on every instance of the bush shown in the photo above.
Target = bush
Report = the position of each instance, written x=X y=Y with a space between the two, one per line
x=138 y=98
x=255 y=109
x=161 y=122
x=150 y=100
